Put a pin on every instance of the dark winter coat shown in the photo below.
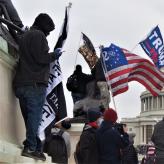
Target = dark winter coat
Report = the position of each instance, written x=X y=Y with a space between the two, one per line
x=82 y=80
x=158 y=140
x=110 y=143
x=129 y=155
x=88 y=153
x=34 y=62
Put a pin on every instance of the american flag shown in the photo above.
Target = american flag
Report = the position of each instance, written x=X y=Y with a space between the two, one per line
x=122 y=66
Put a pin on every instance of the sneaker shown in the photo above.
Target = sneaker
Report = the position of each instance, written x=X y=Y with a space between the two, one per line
x=40 y=156
x=33 y=154
x=28 y=153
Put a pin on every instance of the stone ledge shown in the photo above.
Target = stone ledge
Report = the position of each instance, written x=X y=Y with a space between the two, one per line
x=10 y=153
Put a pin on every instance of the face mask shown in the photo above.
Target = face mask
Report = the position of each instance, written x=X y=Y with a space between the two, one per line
x=99 y=121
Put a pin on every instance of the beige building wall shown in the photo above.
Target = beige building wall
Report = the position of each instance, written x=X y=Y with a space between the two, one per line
x=12 y=129
x=11 y=123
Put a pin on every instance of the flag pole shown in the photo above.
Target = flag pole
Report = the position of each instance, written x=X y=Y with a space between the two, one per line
x=134 y=47
x=105 y=70
x=77 y=51
x=139 y=42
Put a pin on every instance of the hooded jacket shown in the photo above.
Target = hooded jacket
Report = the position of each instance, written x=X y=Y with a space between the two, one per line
x=34 y=61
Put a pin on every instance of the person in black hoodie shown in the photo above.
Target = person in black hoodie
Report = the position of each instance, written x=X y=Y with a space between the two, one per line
x=31 y=80
x=82 y=80
x=86 y=151
x=109 y=140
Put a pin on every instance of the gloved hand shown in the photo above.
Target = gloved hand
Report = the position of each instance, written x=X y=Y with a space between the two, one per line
x=58 y=52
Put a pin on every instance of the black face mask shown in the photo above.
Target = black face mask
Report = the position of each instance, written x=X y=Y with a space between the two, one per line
x=44 y=23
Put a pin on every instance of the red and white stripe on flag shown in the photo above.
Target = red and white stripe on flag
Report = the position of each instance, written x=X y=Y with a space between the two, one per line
x=137 y=69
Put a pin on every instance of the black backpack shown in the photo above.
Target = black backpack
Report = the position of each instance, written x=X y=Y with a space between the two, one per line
x=56 y=148
x=72 y=83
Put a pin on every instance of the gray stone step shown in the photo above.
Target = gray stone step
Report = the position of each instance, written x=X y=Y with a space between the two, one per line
x=10 y=153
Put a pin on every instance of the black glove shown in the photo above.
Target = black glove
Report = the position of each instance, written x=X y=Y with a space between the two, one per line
x=57 y=53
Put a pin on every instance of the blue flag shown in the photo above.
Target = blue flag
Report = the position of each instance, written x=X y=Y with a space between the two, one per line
x=154 y=48
x=114 y=57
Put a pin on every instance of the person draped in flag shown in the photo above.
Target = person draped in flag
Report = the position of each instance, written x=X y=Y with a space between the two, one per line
x=31 y=80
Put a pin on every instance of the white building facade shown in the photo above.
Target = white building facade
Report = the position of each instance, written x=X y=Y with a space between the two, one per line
x=152 y=110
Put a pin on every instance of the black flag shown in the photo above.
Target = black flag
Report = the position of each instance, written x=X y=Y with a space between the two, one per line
x=54 y=108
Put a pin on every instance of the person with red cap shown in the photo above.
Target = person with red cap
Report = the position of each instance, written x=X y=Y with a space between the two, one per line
x=109 y=140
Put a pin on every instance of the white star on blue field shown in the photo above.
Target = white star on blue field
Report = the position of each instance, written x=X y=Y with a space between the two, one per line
x=114 y=57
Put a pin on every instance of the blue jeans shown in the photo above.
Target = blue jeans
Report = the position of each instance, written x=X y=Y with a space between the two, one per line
x=31 y=99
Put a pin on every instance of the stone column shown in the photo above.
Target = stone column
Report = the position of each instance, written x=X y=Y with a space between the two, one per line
x=142 y=105
x=148 y=102
x=157 y=102
x=141 y=134
x=145 y=134
x=152 y=103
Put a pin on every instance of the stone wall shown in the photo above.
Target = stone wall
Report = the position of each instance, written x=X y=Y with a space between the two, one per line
x=12 y=128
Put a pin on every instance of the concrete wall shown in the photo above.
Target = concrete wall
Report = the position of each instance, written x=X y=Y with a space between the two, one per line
x=11 y=123
x=12 y=130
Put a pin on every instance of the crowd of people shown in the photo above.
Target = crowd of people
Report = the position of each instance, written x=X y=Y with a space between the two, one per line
x=103 y=141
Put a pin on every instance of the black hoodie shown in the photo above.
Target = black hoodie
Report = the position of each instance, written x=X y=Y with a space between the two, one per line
x=34 y=62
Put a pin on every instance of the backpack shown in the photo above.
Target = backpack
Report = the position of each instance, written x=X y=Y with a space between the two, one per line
x=72 y=83
x=56 y=148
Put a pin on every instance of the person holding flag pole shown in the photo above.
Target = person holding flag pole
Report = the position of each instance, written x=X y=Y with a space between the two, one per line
x=31 y=80
x=54 y=108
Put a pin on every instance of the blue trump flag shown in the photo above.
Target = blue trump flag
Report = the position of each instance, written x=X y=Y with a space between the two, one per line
x=154 y=48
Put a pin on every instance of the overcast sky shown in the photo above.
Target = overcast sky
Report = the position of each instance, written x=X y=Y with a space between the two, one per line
x=122 y=22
